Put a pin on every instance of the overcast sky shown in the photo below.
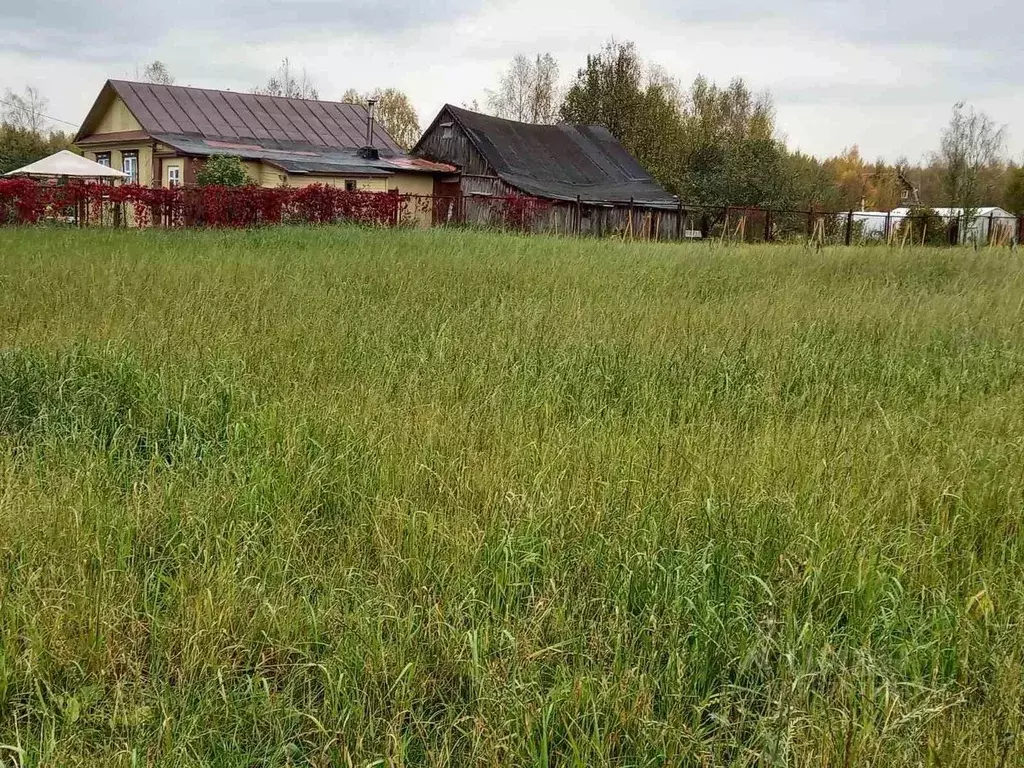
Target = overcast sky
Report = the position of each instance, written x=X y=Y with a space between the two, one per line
x=881 y=75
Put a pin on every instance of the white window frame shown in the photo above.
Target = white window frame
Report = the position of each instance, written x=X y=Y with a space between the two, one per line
x=130 y=165
x=174 y=176
x=103 y=158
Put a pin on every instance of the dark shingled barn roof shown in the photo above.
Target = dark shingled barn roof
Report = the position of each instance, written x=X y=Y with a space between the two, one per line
x=225 y=115
x=561 y=162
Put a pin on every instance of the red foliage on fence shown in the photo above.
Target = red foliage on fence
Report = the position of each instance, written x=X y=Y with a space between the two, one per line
x=24 y=201
x=19 y=203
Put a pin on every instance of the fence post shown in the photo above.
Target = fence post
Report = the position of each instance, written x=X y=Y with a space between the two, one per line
x=631 y=233
x=849 y=228
x=991 y=227
x=579 y=216
x=679 y=218
x=768 y=225
x=810 y=225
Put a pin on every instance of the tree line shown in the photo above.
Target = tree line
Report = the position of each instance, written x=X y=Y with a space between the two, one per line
x=710 y=144
x=720 y=145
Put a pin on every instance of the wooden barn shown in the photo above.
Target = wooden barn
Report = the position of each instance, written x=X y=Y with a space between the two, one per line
x=592 y=185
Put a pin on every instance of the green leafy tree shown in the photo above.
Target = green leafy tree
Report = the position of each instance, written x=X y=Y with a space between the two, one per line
x=609 y=91
x=710 y=145
x=923 y=226
x=728 y=150
x=19 y=146
x=639 y=107
x=810 y=183
x=222 y=171
x=1014 y=196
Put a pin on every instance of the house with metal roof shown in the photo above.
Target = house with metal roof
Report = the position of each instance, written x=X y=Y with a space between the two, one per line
x=160 y=135
x=582 y=171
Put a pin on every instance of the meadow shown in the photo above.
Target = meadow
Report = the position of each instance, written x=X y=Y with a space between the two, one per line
x=345 y=497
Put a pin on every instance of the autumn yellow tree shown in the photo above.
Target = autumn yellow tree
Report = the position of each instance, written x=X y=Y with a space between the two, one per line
x=855 y=180
x=394 y=111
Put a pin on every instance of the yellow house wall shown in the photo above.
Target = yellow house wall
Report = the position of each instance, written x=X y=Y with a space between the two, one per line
x=144 y=149
x=362 y=184
x=413 y=183
x=419 y=211
x=254 y=170
x=171 y=162
x=271 y=176
x=145 y=162
x=118 y=118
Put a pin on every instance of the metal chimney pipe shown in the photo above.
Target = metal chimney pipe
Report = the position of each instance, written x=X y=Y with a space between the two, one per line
x=371 y=104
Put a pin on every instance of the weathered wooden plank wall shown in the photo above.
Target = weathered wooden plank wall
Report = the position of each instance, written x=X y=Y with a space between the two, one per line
x=446 y=142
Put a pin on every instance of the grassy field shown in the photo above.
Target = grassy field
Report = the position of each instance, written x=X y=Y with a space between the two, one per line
x=382 y=498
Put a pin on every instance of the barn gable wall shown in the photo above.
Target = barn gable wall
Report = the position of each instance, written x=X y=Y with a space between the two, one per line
x=457 y=150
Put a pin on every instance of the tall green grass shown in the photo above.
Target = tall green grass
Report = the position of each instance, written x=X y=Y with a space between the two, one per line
x=345 y=497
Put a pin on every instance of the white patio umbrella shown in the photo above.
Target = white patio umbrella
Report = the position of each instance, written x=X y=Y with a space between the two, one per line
x=67 y=164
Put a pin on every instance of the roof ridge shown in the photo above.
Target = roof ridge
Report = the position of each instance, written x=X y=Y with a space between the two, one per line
x=240 y=93
x=562 y=124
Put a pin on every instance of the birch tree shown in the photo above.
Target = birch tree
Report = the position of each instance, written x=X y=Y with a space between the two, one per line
x=289 y=83
x=156 y=72
x=24 y=111
x=528 y=91
x=970 y=143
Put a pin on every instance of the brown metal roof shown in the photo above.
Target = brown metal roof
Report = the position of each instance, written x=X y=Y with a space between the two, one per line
x=228 y=115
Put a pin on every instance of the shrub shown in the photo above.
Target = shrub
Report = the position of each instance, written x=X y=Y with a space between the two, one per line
x=923 y=226
x=223 y=171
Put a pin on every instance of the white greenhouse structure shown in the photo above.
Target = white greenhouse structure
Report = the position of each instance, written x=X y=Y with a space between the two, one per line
x=990 y=225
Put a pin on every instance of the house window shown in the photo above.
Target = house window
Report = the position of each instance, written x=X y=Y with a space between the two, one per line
x=447 y=133
x=906 y=194
x=103 y=158
x=174 y=176
x=350 y=185
x=130 y=166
